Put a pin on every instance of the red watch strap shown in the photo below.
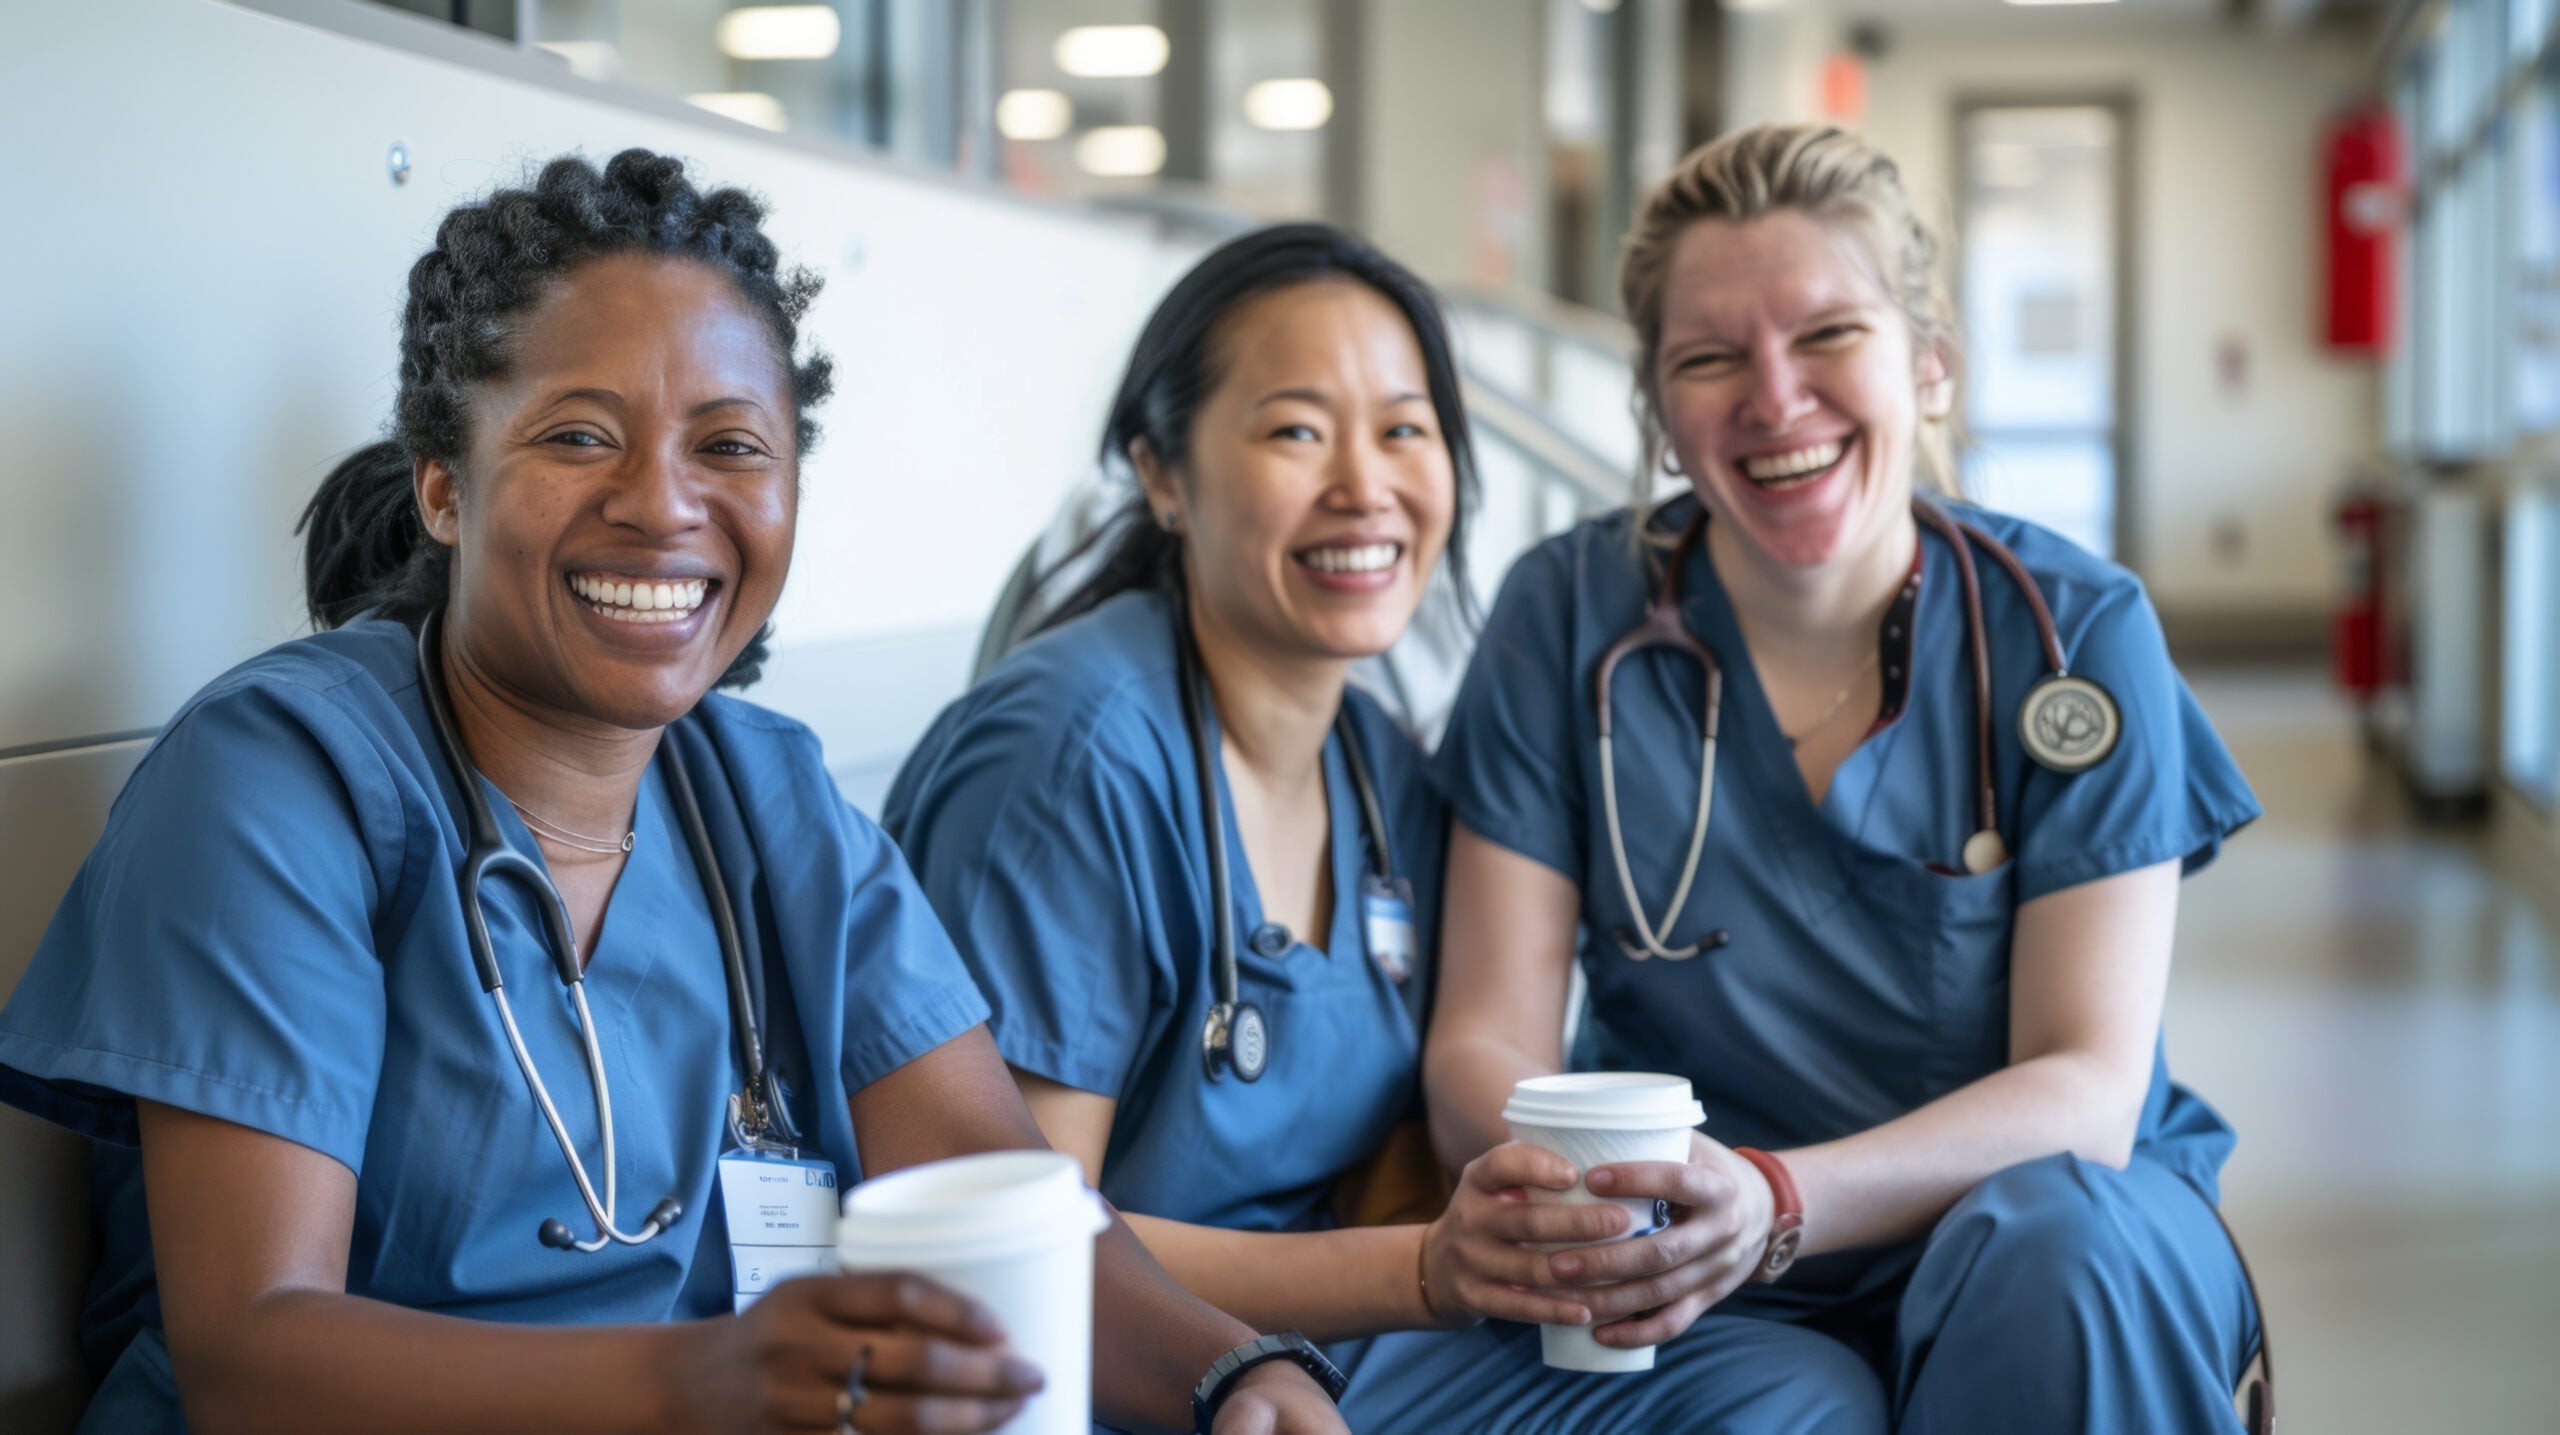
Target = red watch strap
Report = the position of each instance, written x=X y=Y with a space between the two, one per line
x=1782 y=1186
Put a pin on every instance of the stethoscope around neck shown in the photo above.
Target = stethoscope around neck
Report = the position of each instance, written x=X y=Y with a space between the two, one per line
x=1236 y=1036
x=2067 y=723
x=757 y=1114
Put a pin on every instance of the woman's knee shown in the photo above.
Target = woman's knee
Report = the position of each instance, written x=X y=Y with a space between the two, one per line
x=2049 y=1227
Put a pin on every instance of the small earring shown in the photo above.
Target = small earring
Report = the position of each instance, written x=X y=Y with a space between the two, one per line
x=1169 y=521
x=1671 y=463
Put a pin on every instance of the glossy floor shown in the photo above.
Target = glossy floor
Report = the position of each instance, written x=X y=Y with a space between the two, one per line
x=2375 y=1003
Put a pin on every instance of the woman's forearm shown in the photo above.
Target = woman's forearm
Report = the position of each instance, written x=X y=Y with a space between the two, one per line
x=1152 y=1340
x=323 y=1361
x=1893 y=1181
x=1326 y=1285
x=1469 y=1076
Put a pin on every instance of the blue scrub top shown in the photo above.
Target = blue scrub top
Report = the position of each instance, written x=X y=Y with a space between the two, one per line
x=1867 y=974
x=269 y=932
x=1054 y=817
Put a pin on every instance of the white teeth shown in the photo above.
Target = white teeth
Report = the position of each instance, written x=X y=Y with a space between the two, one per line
x=642 y=602
x=1367 y=558
x=1771 y=467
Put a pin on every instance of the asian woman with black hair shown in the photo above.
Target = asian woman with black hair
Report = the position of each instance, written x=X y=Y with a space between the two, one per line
x=1292 y=423
x=262 y=976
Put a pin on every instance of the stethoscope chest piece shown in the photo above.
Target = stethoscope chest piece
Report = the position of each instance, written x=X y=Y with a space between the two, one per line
x=1236 y=1038
x=2069 y=723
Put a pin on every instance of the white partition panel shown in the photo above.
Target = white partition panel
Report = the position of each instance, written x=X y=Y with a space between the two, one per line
x=200 y=278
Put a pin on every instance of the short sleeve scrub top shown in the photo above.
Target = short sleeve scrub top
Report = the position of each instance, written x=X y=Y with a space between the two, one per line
x=1866 y=972
x=1054 y=818
x=268 y=932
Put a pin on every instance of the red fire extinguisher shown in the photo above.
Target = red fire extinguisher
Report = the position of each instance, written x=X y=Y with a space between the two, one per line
x=2356 y=627
x=2365 y=192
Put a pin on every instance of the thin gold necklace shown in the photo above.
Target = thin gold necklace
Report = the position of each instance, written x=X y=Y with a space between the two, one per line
x=1796 y=739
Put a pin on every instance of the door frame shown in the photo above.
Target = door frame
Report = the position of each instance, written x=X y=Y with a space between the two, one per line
x=2124 y=526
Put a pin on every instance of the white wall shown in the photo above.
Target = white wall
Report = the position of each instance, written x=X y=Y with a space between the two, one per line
x=203 y=268
x=2226 y=203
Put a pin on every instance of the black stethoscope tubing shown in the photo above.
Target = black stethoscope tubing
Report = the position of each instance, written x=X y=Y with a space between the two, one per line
x=1237 y=1035
x=756 y=1112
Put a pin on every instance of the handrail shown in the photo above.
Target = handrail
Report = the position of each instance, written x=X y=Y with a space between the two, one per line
x=1556 y=319
x=1558 y=455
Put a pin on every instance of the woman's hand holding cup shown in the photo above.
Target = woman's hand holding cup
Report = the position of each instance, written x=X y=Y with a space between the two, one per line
x=926 y=1359
x=1645 y=1291
x=1481 y=1260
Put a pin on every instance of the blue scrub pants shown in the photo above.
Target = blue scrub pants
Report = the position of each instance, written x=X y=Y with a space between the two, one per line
x=2065 y=1295
x=1728 y=1375
x=2058 y=1295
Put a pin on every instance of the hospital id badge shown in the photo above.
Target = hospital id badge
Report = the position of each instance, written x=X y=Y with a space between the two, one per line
x=1386 y=920
x=782 y=1218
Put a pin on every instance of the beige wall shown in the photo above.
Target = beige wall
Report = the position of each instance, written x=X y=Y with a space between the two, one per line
x=1456 y=146
x=2226 y=205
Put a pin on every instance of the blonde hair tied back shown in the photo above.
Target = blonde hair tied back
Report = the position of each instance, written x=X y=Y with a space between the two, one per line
x=1823 y=171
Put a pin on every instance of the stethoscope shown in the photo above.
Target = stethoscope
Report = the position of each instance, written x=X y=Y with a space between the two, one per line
x=757 y=1114
x=2067 y=723
x=1237 y=1036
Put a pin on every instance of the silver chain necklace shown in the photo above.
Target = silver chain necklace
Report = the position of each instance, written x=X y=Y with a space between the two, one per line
x=543 y=827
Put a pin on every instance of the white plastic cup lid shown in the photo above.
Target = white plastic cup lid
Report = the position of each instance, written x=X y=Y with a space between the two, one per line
x=1605 y=1101
x=989 y=1206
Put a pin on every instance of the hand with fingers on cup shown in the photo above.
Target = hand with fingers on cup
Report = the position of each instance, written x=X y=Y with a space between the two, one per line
x=1646 y=1290
x=1488 y=1256
x=880 y=1354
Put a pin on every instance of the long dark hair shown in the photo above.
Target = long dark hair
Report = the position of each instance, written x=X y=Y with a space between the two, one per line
x=364 y=547
x=1175 y=367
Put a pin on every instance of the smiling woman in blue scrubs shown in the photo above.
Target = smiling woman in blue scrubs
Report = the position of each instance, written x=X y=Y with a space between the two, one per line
x=262 y=972
x=1291 y=415
x=1931 y=1068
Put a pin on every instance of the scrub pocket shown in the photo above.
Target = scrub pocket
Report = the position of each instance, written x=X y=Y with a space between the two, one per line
x=1948 y=932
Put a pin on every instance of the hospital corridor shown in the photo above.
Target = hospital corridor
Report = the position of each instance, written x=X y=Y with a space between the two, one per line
x=1280 y=717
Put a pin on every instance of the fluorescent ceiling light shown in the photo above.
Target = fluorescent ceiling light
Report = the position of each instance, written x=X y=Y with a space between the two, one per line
x=1100 y=52
x=1601 y=7
x=2061 y=2
x=751 y=106
x=590 y=59
x=1121 y=151
x=1033 y=114
x=1289 y=104
x=780 y=32
x=1753 y=5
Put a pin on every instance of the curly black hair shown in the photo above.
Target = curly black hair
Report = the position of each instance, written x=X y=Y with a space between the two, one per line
x=366 y=550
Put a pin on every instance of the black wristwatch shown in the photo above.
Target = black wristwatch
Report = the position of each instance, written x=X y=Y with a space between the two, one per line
x=1227 y=1369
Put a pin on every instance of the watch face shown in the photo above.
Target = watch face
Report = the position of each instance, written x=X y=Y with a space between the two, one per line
x=1782 y=1253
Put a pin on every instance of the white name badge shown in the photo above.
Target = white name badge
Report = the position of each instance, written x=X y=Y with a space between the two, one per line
x=1386 y=920
x=782 y=1218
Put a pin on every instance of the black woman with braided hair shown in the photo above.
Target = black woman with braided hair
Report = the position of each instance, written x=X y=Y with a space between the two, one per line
x=323 y=1149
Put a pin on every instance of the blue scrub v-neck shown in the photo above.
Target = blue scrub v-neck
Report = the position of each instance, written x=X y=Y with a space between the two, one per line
x=1346 y=853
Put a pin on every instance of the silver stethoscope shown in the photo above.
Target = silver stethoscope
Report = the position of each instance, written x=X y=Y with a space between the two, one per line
x=1237 y=1036
x=757 y=1114
x=2067 y=723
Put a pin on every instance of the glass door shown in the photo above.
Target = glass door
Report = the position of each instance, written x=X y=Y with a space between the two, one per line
x=2041 y=217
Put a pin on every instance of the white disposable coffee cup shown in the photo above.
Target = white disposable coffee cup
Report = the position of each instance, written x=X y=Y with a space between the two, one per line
x=1591 y=1119
x=1012 y=1230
